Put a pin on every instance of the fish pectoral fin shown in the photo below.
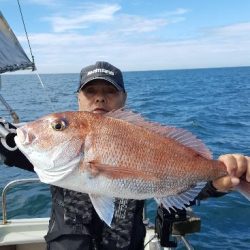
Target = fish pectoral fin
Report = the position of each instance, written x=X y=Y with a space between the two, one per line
x=116 y=172
x=181 y=200
x=104 y=207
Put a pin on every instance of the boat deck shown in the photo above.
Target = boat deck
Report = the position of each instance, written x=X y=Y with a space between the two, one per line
x=28 y=234
x=23 y=234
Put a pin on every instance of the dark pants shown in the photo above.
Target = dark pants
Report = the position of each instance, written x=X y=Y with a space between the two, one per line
x=71 y=241
x=84 y=242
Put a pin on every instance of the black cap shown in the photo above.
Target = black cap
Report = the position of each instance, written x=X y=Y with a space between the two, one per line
x=103 y=71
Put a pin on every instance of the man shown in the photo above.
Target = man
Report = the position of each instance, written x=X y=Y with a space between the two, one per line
x=74 y=223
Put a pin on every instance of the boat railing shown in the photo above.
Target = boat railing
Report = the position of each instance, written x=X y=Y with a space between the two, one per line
x=9 y=186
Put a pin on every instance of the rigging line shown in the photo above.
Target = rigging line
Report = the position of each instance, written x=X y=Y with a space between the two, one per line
x=46 y=92
x=150 y=240
x=34 y=67
x=10 y=110
x=26 y=34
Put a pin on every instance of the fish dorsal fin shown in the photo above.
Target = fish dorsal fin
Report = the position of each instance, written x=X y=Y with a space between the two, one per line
x=183 y=136
x=182 y=200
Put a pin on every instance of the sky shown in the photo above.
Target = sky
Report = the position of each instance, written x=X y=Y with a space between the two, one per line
x=67 y=35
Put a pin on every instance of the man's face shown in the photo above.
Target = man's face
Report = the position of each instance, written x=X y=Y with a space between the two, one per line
x=100 y=97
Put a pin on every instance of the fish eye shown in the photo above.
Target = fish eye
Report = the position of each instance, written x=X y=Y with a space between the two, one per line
x=59 y=125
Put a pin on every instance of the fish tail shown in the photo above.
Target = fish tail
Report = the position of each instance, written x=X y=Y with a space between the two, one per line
x=244 y=189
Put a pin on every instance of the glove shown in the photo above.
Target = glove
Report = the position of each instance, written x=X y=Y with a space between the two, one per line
x=10 y=155
x=7 y=134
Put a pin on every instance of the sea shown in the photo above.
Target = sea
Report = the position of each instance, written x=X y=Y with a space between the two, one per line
x=214 y=104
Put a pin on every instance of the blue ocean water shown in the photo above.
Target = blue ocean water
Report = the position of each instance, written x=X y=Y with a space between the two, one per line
x=212 y=103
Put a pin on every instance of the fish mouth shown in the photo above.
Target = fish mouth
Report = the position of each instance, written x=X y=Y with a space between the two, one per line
x=25 y=137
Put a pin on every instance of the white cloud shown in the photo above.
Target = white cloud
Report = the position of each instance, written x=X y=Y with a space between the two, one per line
x=70 y=52
x=179 y=11
x=134 y=42
x=86 y=15
x=131 y=24
x=83 y=16
x=51 y=3
x=237 y=30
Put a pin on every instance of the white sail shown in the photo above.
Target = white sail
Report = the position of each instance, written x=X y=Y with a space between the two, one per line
x=12 y=55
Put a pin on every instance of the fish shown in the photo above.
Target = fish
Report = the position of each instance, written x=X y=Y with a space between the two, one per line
x=119 y=155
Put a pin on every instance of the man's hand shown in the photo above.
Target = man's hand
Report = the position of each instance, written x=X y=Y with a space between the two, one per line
x=10 y=155
x=237 y=165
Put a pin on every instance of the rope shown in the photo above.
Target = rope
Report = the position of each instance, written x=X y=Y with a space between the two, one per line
x=46 y=92
x=34 y=68
x=26 y=33
x=10 y=110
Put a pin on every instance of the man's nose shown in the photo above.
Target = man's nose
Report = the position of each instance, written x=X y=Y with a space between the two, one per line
x=100 y=98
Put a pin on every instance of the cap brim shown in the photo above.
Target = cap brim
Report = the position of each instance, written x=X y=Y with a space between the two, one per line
x=106 y=78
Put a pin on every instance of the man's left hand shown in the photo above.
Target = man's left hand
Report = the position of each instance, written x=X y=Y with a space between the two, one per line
x=237 y=165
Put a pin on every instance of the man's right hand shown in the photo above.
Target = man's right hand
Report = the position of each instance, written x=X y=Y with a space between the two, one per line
x=7 y=134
